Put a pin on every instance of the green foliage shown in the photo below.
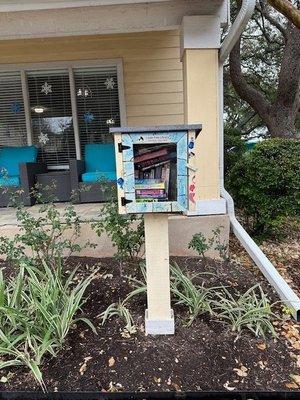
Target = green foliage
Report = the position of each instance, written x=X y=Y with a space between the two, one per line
x=234 y=148
x=37 y=309
x=50 y=235
x=201 y=244
x=126 y=232
x=251 y=310
x=196 y=298
x=121 y=311
x=265 y=184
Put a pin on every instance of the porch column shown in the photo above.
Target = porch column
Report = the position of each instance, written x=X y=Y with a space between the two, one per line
x=200 y=41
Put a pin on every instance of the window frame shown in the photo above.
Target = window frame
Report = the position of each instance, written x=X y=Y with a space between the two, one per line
x=23 y=68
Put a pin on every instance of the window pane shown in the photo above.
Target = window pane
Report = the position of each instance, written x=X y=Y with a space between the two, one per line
x=97 y=104
x=51 y=116
x=12 y=116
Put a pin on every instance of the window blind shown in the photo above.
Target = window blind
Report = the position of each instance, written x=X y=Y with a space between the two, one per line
x=51 y=116
x=97 y=103
x=12 y=115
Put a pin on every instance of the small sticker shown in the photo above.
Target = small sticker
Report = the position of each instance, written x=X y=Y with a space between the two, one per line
x=120 y=182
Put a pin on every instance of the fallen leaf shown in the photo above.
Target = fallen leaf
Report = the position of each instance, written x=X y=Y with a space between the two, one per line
x=261 y=346
x=111 y=362
x=296 y=378
x=226 y=386
x=242 y=371
x=176 y=387
x=83 y=367
x=291 y=385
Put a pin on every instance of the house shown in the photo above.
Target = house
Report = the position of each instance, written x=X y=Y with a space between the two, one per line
x=69 y=70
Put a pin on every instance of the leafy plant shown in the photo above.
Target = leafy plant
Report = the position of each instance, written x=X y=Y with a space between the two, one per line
x=50 y=236
x=265 y=185
x=199 y=244
x=119 y=310
x=251 y=310
x=126 y=232
x=37 y=309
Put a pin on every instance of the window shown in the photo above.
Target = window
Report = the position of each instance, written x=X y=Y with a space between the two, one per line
x=12 y=115
x=51 y=116
x=60 y=107
x=97 y=104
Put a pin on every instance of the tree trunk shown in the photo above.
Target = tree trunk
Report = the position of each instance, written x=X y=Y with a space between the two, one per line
x=279 y=116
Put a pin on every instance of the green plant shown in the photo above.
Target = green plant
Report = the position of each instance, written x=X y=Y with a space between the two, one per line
x=50 y=235
x=126 y=231
x=196 y=298
x=199 y=244
x=251 y=310
x=215 y=241
x=265 y=185
x=119 y=310
x=37 y=309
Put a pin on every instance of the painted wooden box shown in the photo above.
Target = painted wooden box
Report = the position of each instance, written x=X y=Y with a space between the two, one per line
x=154 y=167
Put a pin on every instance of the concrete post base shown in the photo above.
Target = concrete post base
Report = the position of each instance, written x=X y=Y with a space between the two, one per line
x=160 y=326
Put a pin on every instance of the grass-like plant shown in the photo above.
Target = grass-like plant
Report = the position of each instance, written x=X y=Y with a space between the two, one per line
x=37 y=309
x=251 y=310
x=185 y=292
x=121 y=311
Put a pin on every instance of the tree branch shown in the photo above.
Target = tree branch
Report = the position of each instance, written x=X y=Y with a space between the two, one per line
x=243 y=89
x=288 y=93
x=265 y=12
x=288 y=10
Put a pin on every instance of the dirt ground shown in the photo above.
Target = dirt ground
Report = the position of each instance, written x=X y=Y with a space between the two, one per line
x=203 y=357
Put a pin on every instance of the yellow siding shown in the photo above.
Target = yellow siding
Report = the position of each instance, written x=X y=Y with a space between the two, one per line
x=152 y=69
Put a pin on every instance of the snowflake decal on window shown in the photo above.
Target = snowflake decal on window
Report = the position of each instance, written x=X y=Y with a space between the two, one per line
x=109 y=83
x=43 y=138
x=88 y=117
x=46 y=88
x=15 y=107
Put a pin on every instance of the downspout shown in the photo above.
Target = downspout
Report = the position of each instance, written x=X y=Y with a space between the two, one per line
x=286 y=294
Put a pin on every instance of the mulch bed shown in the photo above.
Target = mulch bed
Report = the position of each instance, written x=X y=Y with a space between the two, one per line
x=202 y=357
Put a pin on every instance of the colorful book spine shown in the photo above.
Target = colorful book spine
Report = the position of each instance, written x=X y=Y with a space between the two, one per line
x=150 y=155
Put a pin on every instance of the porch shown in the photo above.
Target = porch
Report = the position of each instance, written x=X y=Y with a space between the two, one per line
x=181 y=229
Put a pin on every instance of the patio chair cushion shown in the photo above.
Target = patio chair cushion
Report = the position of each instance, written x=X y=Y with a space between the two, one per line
x=100 y=157
x=98 y=176
x=10 y=181
x=12 y=157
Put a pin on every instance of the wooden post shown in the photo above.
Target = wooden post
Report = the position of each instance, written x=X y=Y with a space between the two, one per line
x=159 y=315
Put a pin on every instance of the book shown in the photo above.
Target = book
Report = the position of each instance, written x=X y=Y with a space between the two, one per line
x=148 y=183
x=150 y=155
x=150 y=192
x=155 y=161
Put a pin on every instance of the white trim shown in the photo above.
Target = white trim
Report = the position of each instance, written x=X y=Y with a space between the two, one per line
x=74 y=113
x=160 y=326
x=47 y=5
x=121 y=88
x=26 y=107
x=209 y=207
x=115 y=19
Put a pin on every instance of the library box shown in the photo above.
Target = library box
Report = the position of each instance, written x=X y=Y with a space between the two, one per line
x=154 y=167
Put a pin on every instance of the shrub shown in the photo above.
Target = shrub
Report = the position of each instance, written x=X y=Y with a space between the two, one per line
x=45 y=237
x=125 y=231
x=265 y=184
x=234 y=148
